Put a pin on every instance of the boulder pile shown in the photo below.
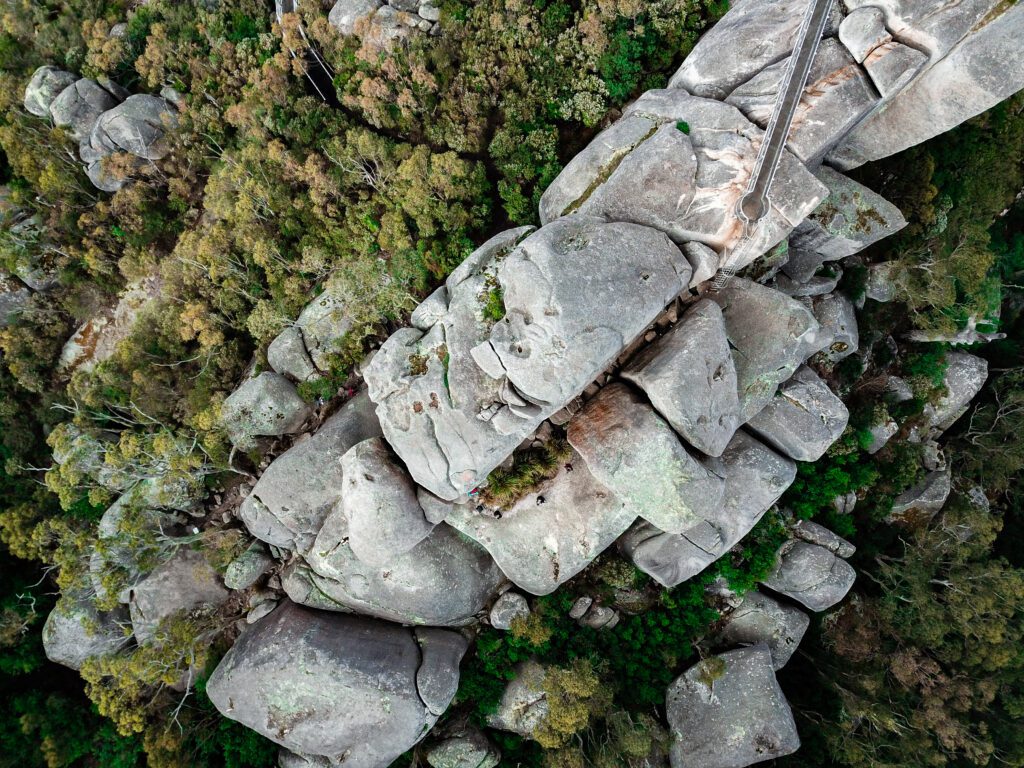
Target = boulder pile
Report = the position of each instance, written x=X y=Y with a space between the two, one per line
x=581 y=386
x=116 y=132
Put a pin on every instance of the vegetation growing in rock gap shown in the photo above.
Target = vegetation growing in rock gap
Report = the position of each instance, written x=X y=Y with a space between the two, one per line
x=530 y=468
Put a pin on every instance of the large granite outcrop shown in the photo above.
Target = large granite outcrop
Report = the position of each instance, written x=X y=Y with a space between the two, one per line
x=106 y=121
x=355 y=690
x=295 y=494
x=935 y=28
x=749 y=38
x=528 y=326
x=699 y=153
x=633 y=452
x=838 y=94
x=728 y=711
x=755 y=477
x=982 y=67
x=381 y=24
x=690 y=378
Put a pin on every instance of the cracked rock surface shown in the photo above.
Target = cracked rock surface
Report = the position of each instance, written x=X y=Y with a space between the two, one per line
x=456 y=400
x=632 y=451
x=349 y=688
x=803 y=419
x=299 y=489
x=755 y=476
x=810 y=574
x=728 y=711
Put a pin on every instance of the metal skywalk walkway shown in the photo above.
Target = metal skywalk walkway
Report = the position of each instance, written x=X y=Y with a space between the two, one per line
x=755 y=202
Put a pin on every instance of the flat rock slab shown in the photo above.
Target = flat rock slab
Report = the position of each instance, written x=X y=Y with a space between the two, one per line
x=706 y=152
x=690 y=378
x=771 y=335
x=583 y=173
x=810 y=574
x=761 y=620
x=634 y=452
x=435 y=402
x=332 y=685
x=838 y=94
x=528 y=327
x=755 y=477
x=728 y=711
x=299 y=489
x=542 y=545
x=576 y=292
x=653 y=185
x=804 y=418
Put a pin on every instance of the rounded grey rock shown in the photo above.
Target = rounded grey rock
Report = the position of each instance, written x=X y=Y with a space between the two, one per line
x=507 y=608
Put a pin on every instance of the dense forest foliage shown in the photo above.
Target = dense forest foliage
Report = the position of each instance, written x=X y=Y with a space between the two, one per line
x=270 y=193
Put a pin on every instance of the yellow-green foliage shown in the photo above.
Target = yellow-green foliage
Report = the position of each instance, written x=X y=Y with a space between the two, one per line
x=574 y=694
x=124 y=687
x=529 y=469
x=531 y=629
